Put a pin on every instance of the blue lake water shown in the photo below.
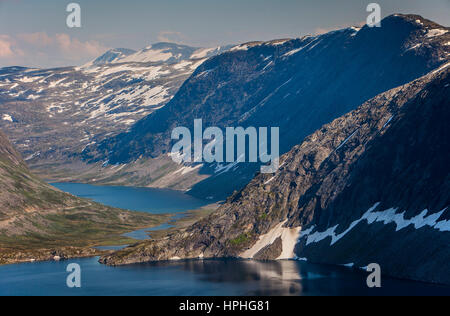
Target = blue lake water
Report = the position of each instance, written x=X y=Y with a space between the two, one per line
x=194 y=277
x=144 y=234
x=155 y=201
x=200 y=278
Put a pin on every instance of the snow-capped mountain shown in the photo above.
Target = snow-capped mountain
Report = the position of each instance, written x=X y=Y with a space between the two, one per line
x=297 y=85
x=53 y=114
x=113 y=55
x=169 y=53
x=157 y=53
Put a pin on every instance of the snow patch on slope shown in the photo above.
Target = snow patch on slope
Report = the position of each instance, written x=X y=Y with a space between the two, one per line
x=239 y=47
x=289 y=237
x=185 y=170
x=436 y=32
x=202 y=53
x=149 y=55
x=386 y=217
x=7 y=117
x=293 y=52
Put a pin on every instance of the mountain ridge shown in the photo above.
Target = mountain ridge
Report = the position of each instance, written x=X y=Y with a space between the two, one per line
x=281 y=83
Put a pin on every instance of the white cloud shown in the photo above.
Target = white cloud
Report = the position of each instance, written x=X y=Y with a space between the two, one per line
x=74 y=49
x=5 y=47
x=40 y=39
x=171 y=37
x=40 y=49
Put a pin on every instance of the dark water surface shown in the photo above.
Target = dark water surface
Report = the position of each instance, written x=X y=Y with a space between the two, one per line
x=190 y=278
x=200 y=278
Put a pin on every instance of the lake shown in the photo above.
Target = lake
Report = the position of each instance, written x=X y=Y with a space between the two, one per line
x=148 y=200
x=200 y=278
x=194 y=277
x=155 y=201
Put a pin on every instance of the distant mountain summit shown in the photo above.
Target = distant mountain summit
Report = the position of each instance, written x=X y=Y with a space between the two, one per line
x=160 y=52
x=113 y=55
x=168 y=53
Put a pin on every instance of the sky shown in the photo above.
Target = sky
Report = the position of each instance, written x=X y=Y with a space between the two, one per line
x=34 y=33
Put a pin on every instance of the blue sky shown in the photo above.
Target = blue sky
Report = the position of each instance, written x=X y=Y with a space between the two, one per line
x=34 y=32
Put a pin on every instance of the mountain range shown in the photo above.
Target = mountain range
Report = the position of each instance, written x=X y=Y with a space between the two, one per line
x=297 y=85
x=363 y=116
x=44 y=110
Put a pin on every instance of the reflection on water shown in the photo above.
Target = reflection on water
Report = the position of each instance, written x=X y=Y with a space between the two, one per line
x=293 y=278
x=201 y=278
x=252 y=277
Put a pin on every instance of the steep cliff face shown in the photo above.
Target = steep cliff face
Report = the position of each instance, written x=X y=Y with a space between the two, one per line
x=7 y=152
x=391 y=205
x=297 y=85
x=355 y=191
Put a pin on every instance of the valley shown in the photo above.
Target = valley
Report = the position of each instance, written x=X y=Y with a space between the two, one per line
x=331 y=178
x=363 y=176
x=39 y=222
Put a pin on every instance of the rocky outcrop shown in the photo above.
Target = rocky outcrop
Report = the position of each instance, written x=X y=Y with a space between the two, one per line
x=9 y=256
x=390 y=153
x=270 y=251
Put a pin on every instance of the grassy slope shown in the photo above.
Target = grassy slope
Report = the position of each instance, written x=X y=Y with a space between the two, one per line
x=37 y=220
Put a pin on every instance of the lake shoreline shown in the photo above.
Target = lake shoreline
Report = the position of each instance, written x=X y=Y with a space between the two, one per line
x=48 y=255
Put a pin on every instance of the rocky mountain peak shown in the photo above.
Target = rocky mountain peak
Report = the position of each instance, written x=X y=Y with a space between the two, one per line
x=113 y=55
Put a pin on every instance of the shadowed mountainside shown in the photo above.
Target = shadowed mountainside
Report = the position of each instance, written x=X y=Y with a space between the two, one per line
x=297 y=85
